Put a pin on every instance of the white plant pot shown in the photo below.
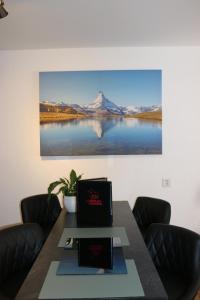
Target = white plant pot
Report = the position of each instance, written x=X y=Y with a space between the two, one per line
x=70 y=203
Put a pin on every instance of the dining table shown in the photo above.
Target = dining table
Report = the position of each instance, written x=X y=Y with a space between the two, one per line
x=142 y=283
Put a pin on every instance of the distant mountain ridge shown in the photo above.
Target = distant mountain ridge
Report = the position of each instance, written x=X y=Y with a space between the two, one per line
x=100 y=106
x=54 y=107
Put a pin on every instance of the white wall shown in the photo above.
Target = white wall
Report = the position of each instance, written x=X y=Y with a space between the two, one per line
x=24 y=173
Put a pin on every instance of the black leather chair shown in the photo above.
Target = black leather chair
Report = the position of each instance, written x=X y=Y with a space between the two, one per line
x=41 y=209
x=176 y=254
x=149 y=210
x=19 y=246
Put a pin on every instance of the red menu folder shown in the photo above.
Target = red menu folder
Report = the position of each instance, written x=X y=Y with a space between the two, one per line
x=94 y=202
x=95 y=252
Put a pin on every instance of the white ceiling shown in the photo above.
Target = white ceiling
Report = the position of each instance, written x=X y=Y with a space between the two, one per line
x=33 y=24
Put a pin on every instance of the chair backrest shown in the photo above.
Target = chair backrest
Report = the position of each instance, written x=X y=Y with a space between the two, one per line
x=41 y=209
x=176 y=250
x=149 y=210
x=19 y=246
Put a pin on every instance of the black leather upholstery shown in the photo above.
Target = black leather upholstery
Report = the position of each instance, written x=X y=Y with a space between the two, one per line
x=41 y=210
x=176 y=255
x=19 y=246
x=149 y=210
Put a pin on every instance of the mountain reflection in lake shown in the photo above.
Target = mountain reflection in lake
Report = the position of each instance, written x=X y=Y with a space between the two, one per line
x=100 y=136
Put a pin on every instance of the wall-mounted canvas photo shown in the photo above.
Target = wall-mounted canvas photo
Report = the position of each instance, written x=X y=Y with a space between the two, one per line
x=100 y=112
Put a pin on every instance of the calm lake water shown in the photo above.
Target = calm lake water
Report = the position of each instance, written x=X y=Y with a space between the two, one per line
x=113 y=136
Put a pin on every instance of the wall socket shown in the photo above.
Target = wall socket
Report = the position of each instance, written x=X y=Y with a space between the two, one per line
x=166 y=182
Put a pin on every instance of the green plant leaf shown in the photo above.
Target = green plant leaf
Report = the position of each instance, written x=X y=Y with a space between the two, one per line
x=68 y=186
x=67 y=181
x=63 y=181
x=73 y=177
x=63 y=190
x=52 y=186
x=79 y=177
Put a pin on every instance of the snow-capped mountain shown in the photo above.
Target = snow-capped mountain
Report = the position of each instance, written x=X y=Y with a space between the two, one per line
x=129 y=110
x=102 y=105
x=53 y=103
x=151 y=108
x=46 y=102
x=156 y=108
x=78 y=108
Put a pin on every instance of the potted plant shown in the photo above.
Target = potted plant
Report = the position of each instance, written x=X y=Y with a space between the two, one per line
x=68 y=188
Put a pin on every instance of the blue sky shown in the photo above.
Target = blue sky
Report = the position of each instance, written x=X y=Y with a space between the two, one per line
x=130 y=87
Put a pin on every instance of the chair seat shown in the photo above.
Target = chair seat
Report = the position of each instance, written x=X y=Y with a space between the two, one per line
x=10 y=287
x=46 y=231
x=174 y=285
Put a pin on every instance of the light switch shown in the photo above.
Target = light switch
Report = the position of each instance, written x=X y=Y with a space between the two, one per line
x=166 y=182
